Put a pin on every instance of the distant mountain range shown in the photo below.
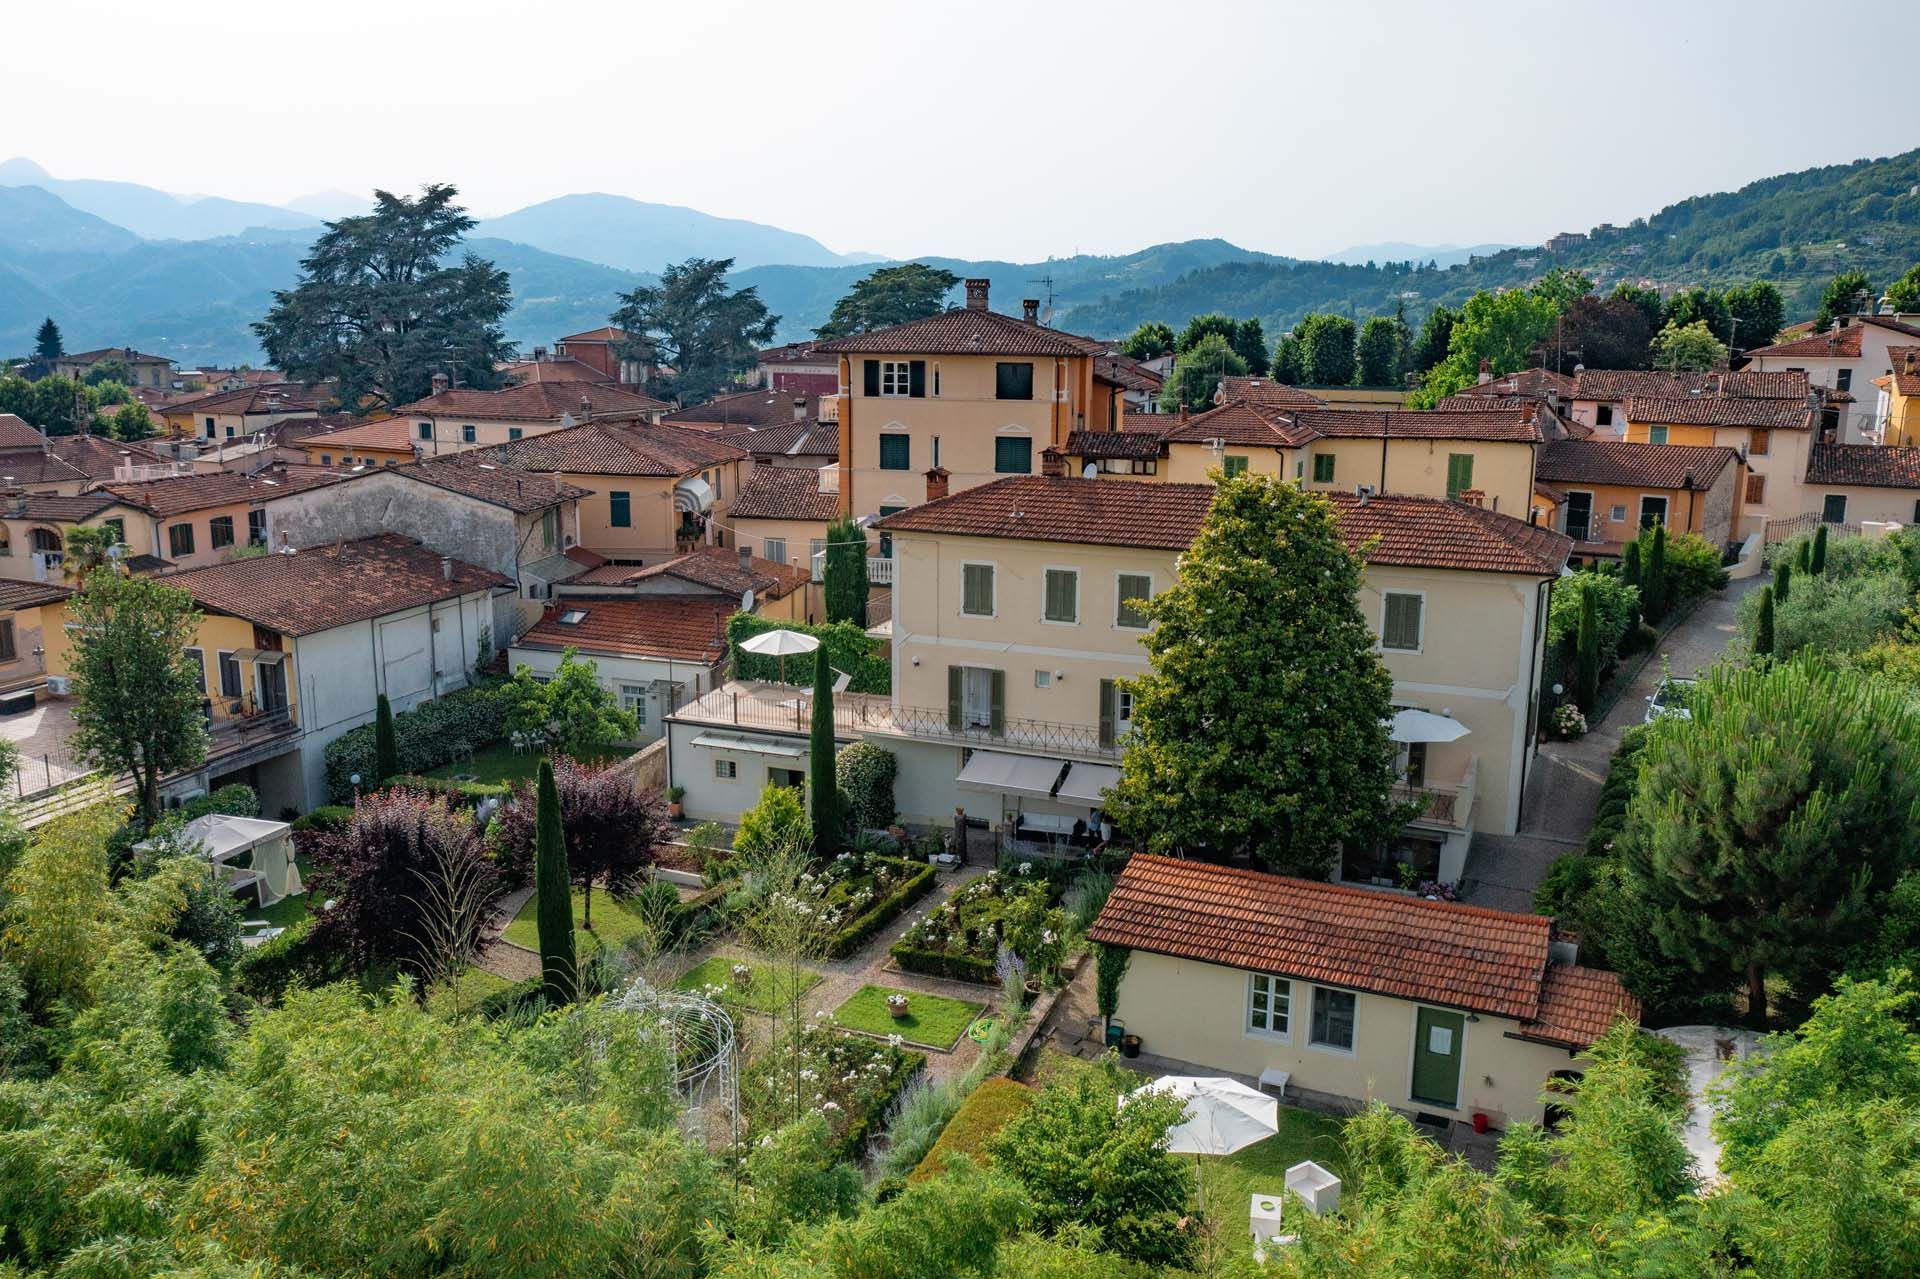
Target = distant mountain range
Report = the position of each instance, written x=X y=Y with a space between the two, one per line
x=118 y=263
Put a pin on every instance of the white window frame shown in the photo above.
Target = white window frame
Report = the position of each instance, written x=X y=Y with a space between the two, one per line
x=1275 y=983
x=896 y=378
x=1616 y=513
x=633 y=697
x=1335 y=1049
x=732 y=767
x=1122 y=711
x=1045 y=569
x=993 y=568
x=1420 y=645
x=774 y=548
x=1666 y=510
x=1120 y=595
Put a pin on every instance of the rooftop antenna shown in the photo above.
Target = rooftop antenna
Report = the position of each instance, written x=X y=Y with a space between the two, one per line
x=1046 y=316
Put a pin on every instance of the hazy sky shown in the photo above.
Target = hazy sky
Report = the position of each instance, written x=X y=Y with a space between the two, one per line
x=979 y=129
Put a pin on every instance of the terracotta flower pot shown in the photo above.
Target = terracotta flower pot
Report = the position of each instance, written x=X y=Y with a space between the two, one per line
x=897 y=1007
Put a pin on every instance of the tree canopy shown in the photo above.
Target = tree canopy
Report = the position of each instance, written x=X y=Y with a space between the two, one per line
x=1848 y=293
x=1689 y=347
x=890 y=295
x=1148 y=341
x=46 y=340
x=1197 y=373
x=695 y=324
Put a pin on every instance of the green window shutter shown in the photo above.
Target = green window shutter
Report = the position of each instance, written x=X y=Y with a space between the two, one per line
x=976 y=590
x=1133 y=586
x=1235 y=465
x=1109 y=711
x=870 y=374
x=620 y=510
x=896 y=452
x=1013 y=455
x=917 y=379
x=1459 y=473
x=1063 y=595
x=997 y=721
x=1013 y=381
x=1323 y=468
x=953 y=699
x=1402 y=622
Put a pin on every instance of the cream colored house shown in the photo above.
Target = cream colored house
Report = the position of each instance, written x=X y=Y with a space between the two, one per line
x=1843 y=363
x=452 y=420
x=783 y=513
x=1344 y=996
x=1015 y=624
x=1772 y=436
x=1862 y=483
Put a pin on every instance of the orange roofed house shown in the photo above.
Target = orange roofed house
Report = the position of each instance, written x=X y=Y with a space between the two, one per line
x=1344 y=996
x=1603 y=492
x=455 y=419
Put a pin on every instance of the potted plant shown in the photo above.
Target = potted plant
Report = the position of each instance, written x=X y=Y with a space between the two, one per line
x=1129 y=1045
x=674 y=795
x=743 y=975
x=897 y=1007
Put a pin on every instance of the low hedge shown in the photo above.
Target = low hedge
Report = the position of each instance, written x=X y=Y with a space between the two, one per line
x=296 y=956
x=989 y=1108
x=939 y=963
x=465 y=794
x=431 y=734
x=327 y=817
x=883 y=912
x=698 y=916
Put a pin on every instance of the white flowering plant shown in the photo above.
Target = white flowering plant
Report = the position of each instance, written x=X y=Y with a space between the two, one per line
x=851 y=1080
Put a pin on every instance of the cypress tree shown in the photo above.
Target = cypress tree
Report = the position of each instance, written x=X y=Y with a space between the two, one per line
x=823 y=773
x=1587 y=675
x=1817 y=559
x=1763 y=628
x=1630 y=574
x=1804 y=561
x=386 y=749
x=1782 y=580
x=558 y=968
x=1653 y=594
x=845 y=572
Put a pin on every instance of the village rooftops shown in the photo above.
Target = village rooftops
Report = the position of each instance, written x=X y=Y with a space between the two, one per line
x=807 y=354
x=121 y=353
x=52 y=508
x=183 y=493
x=1441 y=953
x=715 y=568
x=1905 y=377
x=1720 y=410
x=99 y=456
x=673 y=627
x=785 y=493
x=749 y=408
x=1864 y=466
x=605 y=333
x=808 y=438
x=538 y=402
x=267 y=399
x=327 y=586
x=1531 y=383
x=1266 y=391
x=1492 y=424
x=490 y=480
x=1238 y=422
x=1127 y=373
x=562 y=368
x=1390 y=529
x=18 y=595
x=610 y=448
x=1666 y=466
x=1842 y=341
x=17 y=433
x=964 y=331
x=1128 y=445
x=392 y=434
x=1623 y=384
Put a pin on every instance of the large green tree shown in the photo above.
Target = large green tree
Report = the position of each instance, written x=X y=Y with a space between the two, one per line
x=1763 y=827
x=570 y=713
x=1758 y=311
x=1690 y=347
x=1260 y=727
x=695 y=324
x=1249 y=342
x=380 y=307
x=1699 y=306
x=1150 y=339
x=1436 y=333
x=1504 y=329
x=46 y=341
x=137 y=694
x=1903 y=295
x=1197 y=373
x=1846 y=294
x=1201 y=327
x=1378 y=353
x=1326 y=349
x=1605 y=333
x=890 y=295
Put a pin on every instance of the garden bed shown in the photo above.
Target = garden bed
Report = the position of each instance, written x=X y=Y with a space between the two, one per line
x=932 y=1021
x=989 y=1108
x=960 y=938
x=851 y=1080
x=615 y=922
x=861 y=893
x=767 y=990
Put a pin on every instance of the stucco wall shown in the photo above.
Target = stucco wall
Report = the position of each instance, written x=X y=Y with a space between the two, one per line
x=612 y=671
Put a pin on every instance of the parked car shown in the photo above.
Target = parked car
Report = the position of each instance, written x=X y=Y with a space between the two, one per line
x=1669 y=698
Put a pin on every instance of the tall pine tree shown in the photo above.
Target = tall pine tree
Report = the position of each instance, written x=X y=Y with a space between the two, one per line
x=47 y=343
x=1653 y=590
x=559 y=971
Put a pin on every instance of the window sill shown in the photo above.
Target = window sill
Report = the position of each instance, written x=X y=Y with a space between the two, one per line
x=1332 y=1050
x=1268 y=1036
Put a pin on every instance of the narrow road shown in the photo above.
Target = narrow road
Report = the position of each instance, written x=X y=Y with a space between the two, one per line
x=1563 y=786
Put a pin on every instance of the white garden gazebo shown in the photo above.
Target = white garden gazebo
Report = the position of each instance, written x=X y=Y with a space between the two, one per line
x=271 y=871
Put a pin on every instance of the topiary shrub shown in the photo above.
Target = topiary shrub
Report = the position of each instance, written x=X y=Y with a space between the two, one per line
x=431 y=734
x=848 y=649
x=867 y=773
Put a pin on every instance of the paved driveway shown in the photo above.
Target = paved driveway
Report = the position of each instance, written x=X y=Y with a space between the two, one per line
x=1563 y=787
x=45 y=759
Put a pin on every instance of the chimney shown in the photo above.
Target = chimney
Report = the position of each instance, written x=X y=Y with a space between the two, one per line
x=1486 y=372
x=1183 y=413
x=441 y=382
x=746 y=558
x=539 y=355
x=936 y=483
x=977 y=294
x=446 y=568
x=1030 y=310
x=1474 y=497
x=586 y=409
x=799 y=408
x=1910 y=361
x=1052 y=461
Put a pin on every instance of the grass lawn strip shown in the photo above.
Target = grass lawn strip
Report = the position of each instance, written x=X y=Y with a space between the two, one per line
x=987 y=1109
x=767 y=991
x=613 y=923
x=932 y=1021
x=1231 y=1181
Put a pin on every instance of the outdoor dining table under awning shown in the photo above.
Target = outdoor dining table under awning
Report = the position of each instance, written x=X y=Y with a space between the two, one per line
x=1000 y=773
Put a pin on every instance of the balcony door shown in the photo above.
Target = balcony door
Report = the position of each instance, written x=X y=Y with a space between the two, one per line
x=976 y=696
x=270 y=679
x=1579 y=516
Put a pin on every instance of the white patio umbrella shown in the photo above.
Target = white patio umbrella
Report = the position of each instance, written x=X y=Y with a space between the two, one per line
x=1425 y=726
x=1223 y=1115
x=778 y=644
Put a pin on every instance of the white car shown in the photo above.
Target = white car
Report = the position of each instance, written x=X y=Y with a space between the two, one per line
x=1669 y=699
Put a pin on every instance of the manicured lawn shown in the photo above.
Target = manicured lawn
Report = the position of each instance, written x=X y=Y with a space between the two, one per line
x=288 y=910
x=1231 y=1181
x=614 y=921
x=768 y=990
x=472 y=986
x=933 y=1021
x=987 y=1109
x=501 y=763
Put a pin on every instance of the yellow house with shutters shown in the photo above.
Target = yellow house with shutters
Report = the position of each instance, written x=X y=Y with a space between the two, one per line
x=1772 y=436
x=1897 y=414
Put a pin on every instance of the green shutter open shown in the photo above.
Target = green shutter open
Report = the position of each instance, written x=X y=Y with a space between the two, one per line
x=997 y=721
x=953 y=699
x=871 y=376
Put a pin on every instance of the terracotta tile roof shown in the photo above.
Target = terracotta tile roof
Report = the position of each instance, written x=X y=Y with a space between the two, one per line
x=795 y=439
x=562 y=368
x=1904 y=380
x=490 y=480
x=747 y=408
x=1533 y=383
x=393 y=434
x=1720 y=410
x=18 y=595
x=116 y=353
x=1464 y=403
x=97 y=456
x=19 y=467
x=1618 y=384
x=1578 y=1004
x=270 y=397
x=808 y=353
x=324 y=587
x=963 y=331
x=1456 y=956
x=1846 y=341
x=1512 y=425
x=1120 y=444
x=1865 y=465
x=1413 y=532
x=677 y=627
x=1127 y=373
x=538 y=402
x=605 y=333
x=610 y=448
x=581 y=555
x=1264 y=390
x=1665 y=466
x=1549 y=492
x=718 y=568
x=52 y=508
x=183 y=493
x=1154 y=423
x=785 y=493
x=1787 y=384
x=1242 y=423
x=17 y=433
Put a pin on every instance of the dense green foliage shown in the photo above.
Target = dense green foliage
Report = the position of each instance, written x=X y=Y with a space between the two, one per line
x=891 y=295
x=433 y=733
x=696 y=325
x=386 y=751
x=846 y=647
x=867 y=772
x=1197 y=373
x=846 y=586
x=551 y=887
x=568 y=713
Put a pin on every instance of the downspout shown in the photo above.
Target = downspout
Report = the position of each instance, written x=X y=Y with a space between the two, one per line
x=1536 y=643
x=1384 y=429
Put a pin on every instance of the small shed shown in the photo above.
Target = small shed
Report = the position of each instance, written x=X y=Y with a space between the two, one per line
x=265 y=847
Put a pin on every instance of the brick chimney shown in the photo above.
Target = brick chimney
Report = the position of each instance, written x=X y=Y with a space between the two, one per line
x=441 y=382
x=1474 y=497
x=1183 y=412
x=746 y=558
x=937 y=483
x=1911 y=358
x=977 y=294
x=1486 y=371
x=586 y=409
x=1052 y=461
x=1030 y=310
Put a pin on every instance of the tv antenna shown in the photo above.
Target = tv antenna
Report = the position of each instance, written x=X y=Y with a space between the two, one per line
x=1046 y=316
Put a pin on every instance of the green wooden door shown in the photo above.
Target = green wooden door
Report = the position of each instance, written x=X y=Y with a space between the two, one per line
x=1437 y=1045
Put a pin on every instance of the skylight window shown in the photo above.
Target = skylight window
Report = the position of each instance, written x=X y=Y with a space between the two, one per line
x=573 y=617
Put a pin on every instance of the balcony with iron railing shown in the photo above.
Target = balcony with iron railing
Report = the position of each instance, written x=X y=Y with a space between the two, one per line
x=788 y=708
x=1449 y=803
x=879 y=569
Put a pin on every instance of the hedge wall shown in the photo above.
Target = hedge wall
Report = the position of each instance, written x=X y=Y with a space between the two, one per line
x=463 y=794
x=265 y=971
x=431 y=734
x=939 y=963
x=848 y=648
x=884 y=912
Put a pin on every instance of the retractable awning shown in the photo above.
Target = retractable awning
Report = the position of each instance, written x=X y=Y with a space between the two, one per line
x=1003 y=774
x=693 y=495
x=751 y=745
x=259 y=656
x=1085 y=784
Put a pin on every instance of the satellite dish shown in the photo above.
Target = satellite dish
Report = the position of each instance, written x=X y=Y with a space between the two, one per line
x=1089 y=471
x=746 y=600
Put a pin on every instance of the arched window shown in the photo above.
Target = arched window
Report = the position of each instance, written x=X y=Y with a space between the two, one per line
x=46 y=539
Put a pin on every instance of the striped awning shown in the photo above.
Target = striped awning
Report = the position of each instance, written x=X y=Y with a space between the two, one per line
x=693 y=495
